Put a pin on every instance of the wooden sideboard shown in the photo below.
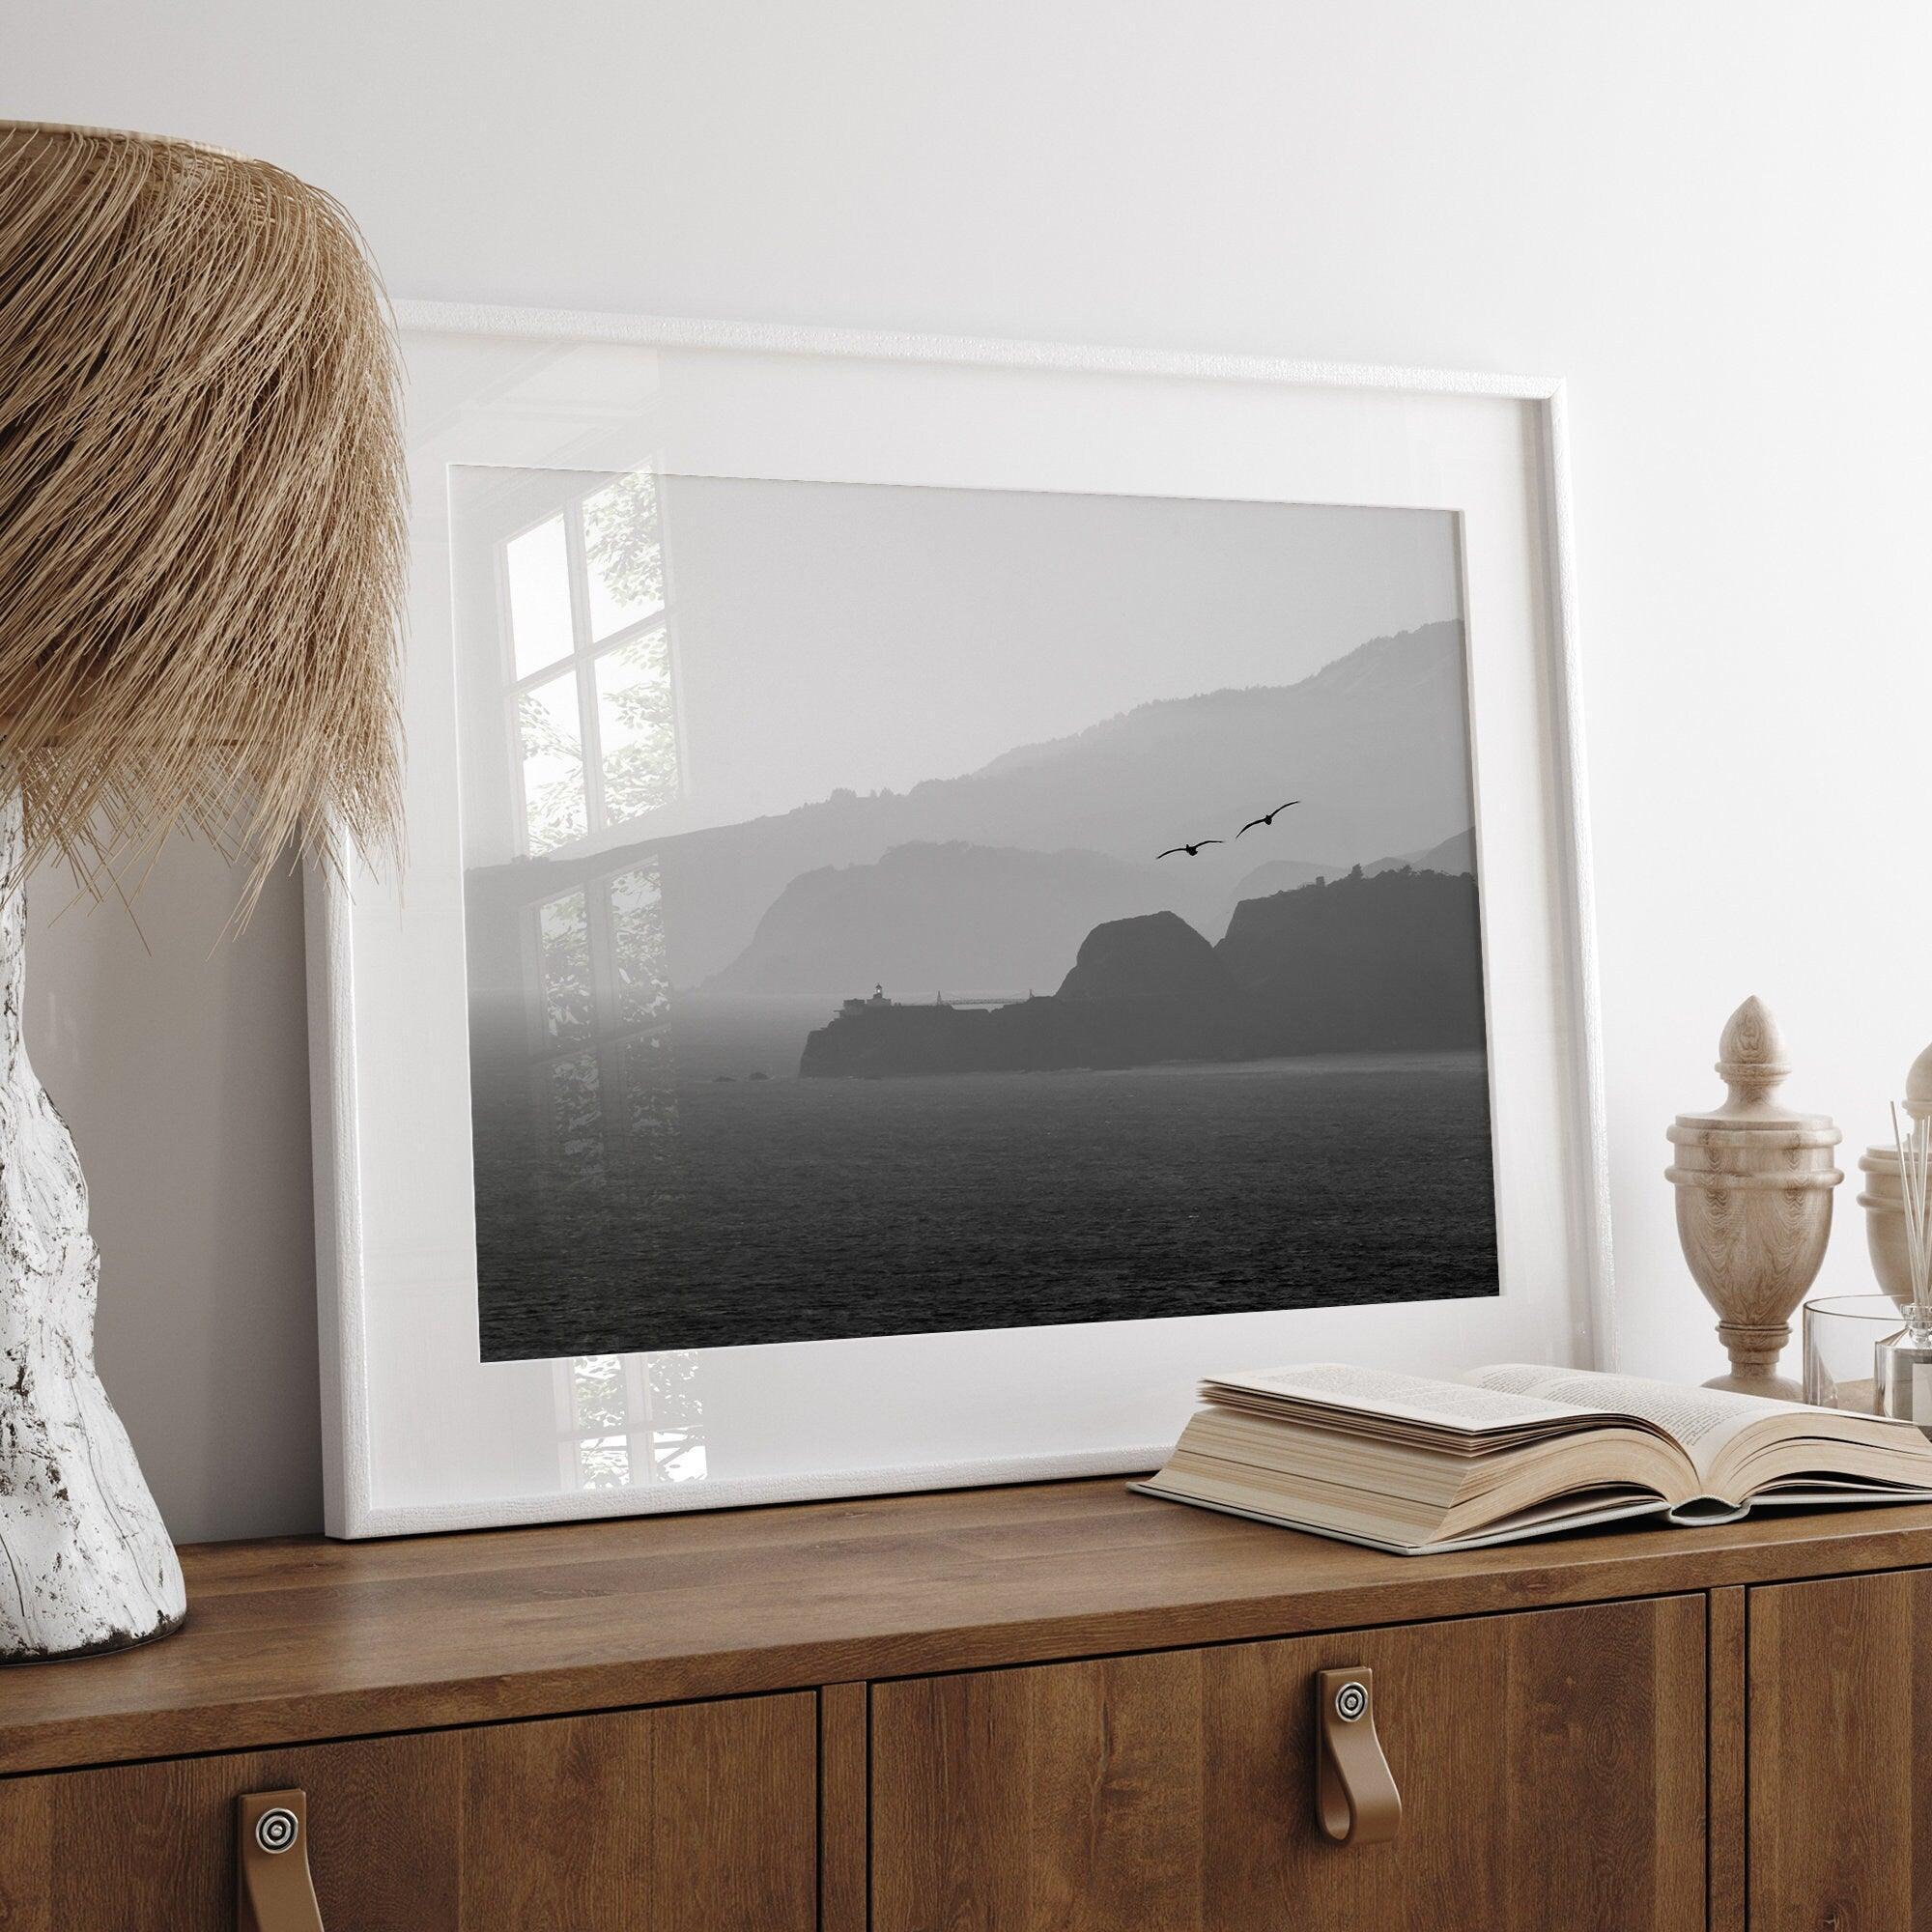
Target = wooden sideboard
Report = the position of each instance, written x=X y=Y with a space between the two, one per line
x=1000 y=1711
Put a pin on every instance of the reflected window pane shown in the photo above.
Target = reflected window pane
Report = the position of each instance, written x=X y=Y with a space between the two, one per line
x=576 y=1116
x=552 y=750
x=679 y=1455
x=635 y=728
x=622 y=550
x=650 y=1092
x=597 y=1389
x=604 y=1461
x=539 y=572
x=599 y=1419
x=677 y=1418
x=637 y=939
x=569 y=995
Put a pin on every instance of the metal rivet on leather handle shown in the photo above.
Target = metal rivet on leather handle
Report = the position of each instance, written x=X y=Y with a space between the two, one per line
x=277 y=1831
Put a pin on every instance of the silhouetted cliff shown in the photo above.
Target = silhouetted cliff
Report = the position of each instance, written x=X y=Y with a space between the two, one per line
x=1456 y=854
x=1153 y=956
x=1362 y=964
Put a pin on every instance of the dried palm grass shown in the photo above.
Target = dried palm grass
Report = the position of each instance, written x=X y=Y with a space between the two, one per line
x=201 y=538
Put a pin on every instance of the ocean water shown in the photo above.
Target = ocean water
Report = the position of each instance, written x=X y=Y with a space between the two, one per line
x=782 y=1209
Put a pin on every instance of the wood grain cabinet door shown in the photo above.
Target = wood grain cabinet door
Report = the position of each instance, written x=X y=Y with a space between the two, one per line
x=689 y=1818
x=1840 y=1754
x=1551 y=1765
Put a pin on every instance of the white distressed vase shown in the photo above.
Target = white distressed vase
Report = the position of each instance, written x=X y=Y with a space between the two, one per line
x=85 y=1561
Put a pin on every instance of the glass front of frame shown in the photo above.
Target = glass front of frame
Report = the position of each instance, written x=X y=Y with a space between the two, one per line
x=895 y=910
x=802 y=1057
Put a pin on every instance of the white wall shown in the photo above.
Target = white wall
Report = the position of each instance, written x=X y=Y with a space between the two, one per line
x=1711 y=219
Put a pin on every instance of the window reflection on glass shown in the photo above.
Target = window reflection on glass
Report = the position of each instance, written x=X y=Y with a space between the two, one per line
x=590 y=707
x=606 y=1080
x=600 y=1406
x=604 y=1461
x=569 y=995
x=645 y=1072
x=650 y=1093
x=553 y=762
x=636 y=731
x=642 y=984
x=624 y=554
x=598 y=1399
x=632 y=1419
x=576 y=1117
x=676 y=1417
x=591 y=701
x=538 y=567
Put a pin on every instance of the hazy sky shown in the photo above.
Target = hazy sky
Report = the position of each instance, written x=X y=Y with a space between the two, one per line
x=874 y=636
x=830 y=635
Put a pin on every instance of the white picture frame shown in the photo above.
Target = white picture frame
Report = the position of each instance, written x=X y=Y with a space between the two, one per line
x=420 y=1434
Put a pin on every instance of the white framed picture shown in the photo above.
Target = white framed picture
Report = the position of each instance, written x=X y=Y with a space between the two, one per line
x=952 y=889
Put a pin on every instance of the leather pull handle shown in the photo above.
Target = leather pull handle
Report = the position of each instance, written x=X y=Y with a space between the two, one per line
x=273 y=1891
x=1356 y=1799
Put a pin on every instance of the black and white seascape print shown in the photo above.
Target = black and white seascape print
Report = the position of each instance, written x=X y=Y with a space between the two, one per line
x=895 y=910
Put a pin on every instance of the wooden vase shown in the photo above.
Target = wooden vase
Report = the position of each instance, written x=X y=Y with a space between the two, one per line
x=1884 y=1199
x=1754 y=1184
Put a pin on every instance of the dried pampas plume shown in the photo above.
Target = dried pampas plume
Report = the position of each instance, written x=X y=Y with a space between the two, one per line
x=202 y=535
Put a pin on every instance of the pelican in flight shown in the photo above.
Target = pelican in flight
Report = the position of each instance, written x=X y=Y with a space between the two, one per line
x=1267 y=818
x=1191 y=850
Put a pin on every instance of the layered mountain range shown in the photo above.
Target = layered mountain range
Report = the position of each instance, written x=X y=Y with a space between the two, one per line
x=1374 y=744
x=976 y=919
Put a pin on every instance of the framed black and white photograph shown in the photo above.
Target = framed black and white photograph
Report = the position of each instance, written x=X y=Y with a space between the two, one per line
x=951 y=890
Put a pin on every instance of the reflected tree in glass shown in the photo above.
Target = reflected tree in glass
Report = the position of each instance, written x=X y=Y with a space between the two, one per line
x=676 y=1417
x=637 y=727
x=601 y=1416
x=555 y=812
x=650 y=1086
x=569 y=992
x=637 y=939
x=576 y=1119
x=623 y=545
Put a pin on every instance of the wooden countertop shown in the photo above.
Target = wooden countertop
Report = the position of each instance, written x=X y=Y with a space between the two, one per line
x=303 y=1639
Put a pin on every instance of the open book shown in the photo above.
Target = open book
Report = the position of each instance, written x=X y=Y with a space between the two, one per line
x=1405 y=1463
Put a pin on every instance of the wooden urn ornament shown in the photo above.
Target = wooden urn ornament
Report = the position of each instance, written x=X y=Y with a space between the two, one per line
x=1754 y=1185
x=1884 y=1194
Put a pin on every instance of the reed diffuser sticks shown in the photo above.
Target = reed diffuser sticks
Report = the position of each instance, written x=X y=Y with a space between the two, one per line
x=1902 y=1366
x=1912 y=1132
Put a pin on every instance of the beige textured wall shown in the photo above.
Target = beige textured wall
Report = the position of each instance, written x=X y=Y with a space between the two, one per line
x=180 y=1061
x=1711 y=219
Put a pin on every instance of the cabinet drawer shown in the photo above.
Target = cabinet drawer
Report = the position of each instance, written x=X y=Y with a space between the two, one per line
x=1551 y=1765
x=690 y=1818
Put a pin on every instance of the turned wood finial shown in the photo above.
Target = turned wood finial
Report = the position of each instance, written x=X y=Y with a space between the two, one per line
x=1754 y=1182
x=1751 y=1062
x=1918 y=1087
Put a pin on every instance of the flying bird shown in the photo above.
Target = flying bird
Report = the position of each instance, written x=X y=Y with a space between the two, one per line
x=1191 y=850
x=1267 y=818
